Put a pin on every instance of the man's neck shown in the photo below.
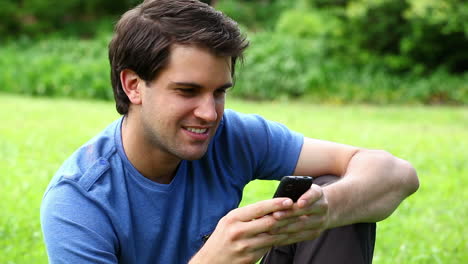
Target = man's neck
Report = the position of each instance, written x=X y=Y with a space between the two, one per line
x=151 y=162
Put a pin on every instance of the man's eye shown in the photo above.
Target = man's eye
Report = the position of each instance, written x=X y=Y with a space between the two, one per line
x=221 y=91
x=186 y=91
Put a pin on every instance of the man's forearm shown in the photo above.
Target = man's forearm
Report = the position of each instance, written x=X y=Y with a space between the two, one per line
x=374 y=184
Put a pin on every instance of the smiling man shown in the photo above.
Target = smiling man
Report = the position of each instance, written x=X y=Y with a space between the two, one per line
x=162 y=184
x=176 y=114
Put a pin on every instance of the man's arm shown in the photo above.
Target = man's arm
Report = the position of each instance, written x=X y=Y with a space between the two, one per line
x=75 y=229
x=373 y=183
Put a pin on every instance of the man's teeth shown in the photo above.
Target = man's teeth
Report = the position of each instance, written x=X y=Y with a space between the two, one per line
x=197 y=130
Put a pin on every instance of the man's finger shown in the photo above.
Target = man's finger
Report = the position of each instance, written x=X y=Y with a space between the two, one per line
x=262 y=208
x=303 y=223
x=312 y=195
x=265 y=224
x=266 y=241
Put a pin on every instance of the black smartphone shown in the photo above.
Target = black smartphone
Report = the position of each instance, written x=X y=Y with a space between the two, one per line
x=293 y=187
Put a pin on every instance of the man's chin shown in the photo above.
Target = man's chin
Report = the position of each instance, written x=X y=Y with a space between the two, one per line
x=193 y=155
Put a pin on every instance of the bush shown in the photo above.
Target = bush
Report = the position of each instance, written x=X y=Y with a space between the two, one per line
x=308 y=24
x=38 y=17
x=276 y=66
x=57 y=67
x=284 y=66
x=408 y=35
x=438 y=34
x=258 y=15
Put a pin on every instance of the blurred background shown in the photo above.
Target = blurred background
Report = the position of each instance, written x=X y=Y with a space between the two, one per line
x=327 y=51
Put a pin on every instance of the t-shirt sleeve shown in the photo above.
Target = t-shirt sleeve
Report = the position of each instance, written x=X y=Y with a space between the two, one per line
x=264 y=149
x=75 y=229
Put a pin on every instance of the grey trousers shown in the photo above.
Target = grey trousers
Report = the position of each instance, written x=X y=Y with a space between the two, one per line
x=353 y=244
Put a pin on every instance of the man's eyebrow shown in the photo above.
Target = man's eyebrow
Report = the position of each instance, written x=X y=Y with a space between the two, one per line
x=198 y=86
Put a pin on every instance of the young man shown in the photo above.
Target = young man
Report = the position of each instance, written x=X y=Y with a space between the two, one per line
x=162 y=184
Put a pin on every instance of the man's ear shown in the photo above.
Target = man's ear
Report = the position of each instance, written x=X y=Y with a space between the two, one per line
x=131 y=84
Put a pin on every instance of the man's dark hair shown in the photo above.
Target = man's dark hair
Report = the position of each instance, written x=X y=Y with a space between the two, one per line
x=144 y=35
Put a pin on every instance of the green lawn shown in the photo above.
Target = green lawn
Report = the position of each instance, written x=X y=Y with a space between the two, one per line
x=36 y=135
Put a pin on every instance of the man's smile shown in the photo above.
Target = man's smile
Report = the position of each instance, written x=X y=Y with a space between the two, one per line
x=197 y=130
x=197 y=133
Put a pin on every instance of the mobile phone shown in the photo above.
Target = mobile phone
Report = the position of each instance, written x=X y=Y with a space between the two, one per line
x=293 y=187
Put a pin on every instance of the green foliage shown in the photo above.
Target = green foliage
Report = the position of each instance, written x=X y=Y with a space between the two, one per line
x=418 y=36
x=429 y=227
x=414 y=35
x=343 y=51
x=452 y=15
x=57 y=67
x=284 y=66
x=38 y=17
x=377 y=25
x=308 y=24
x=276 y=66
x=438 y=34
x=256 y=15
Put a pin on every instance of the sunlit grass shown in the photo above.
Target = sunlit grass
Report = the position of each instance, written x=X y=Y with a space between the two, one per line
x=36 y=135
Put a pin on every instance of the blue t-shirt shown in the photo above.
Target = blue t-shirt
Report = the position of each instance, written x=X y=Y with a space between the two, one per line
x=99 y=209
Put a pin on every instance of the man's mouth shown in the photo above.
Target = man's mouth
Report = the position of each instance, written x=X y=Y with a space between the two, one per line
x=197 y=130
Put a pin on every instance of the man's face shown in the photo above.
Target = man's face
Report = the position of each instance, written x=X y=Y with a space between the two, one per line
x=181 y=109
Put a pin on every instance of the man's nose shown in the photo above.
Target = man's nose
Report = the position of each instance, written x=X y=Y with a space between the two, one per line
x=206 y=109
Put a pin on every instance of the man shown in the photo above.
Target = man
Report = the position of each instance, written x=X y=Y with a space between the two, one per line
x=162 y=183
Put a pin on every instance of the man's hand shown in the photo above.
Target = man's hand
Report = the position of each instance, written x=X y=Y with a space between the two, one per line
x=307 y=218
x=245 y=234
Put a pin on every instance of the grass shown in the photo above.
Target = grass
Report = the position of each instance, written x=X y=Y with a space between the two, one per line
x=36 y=135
